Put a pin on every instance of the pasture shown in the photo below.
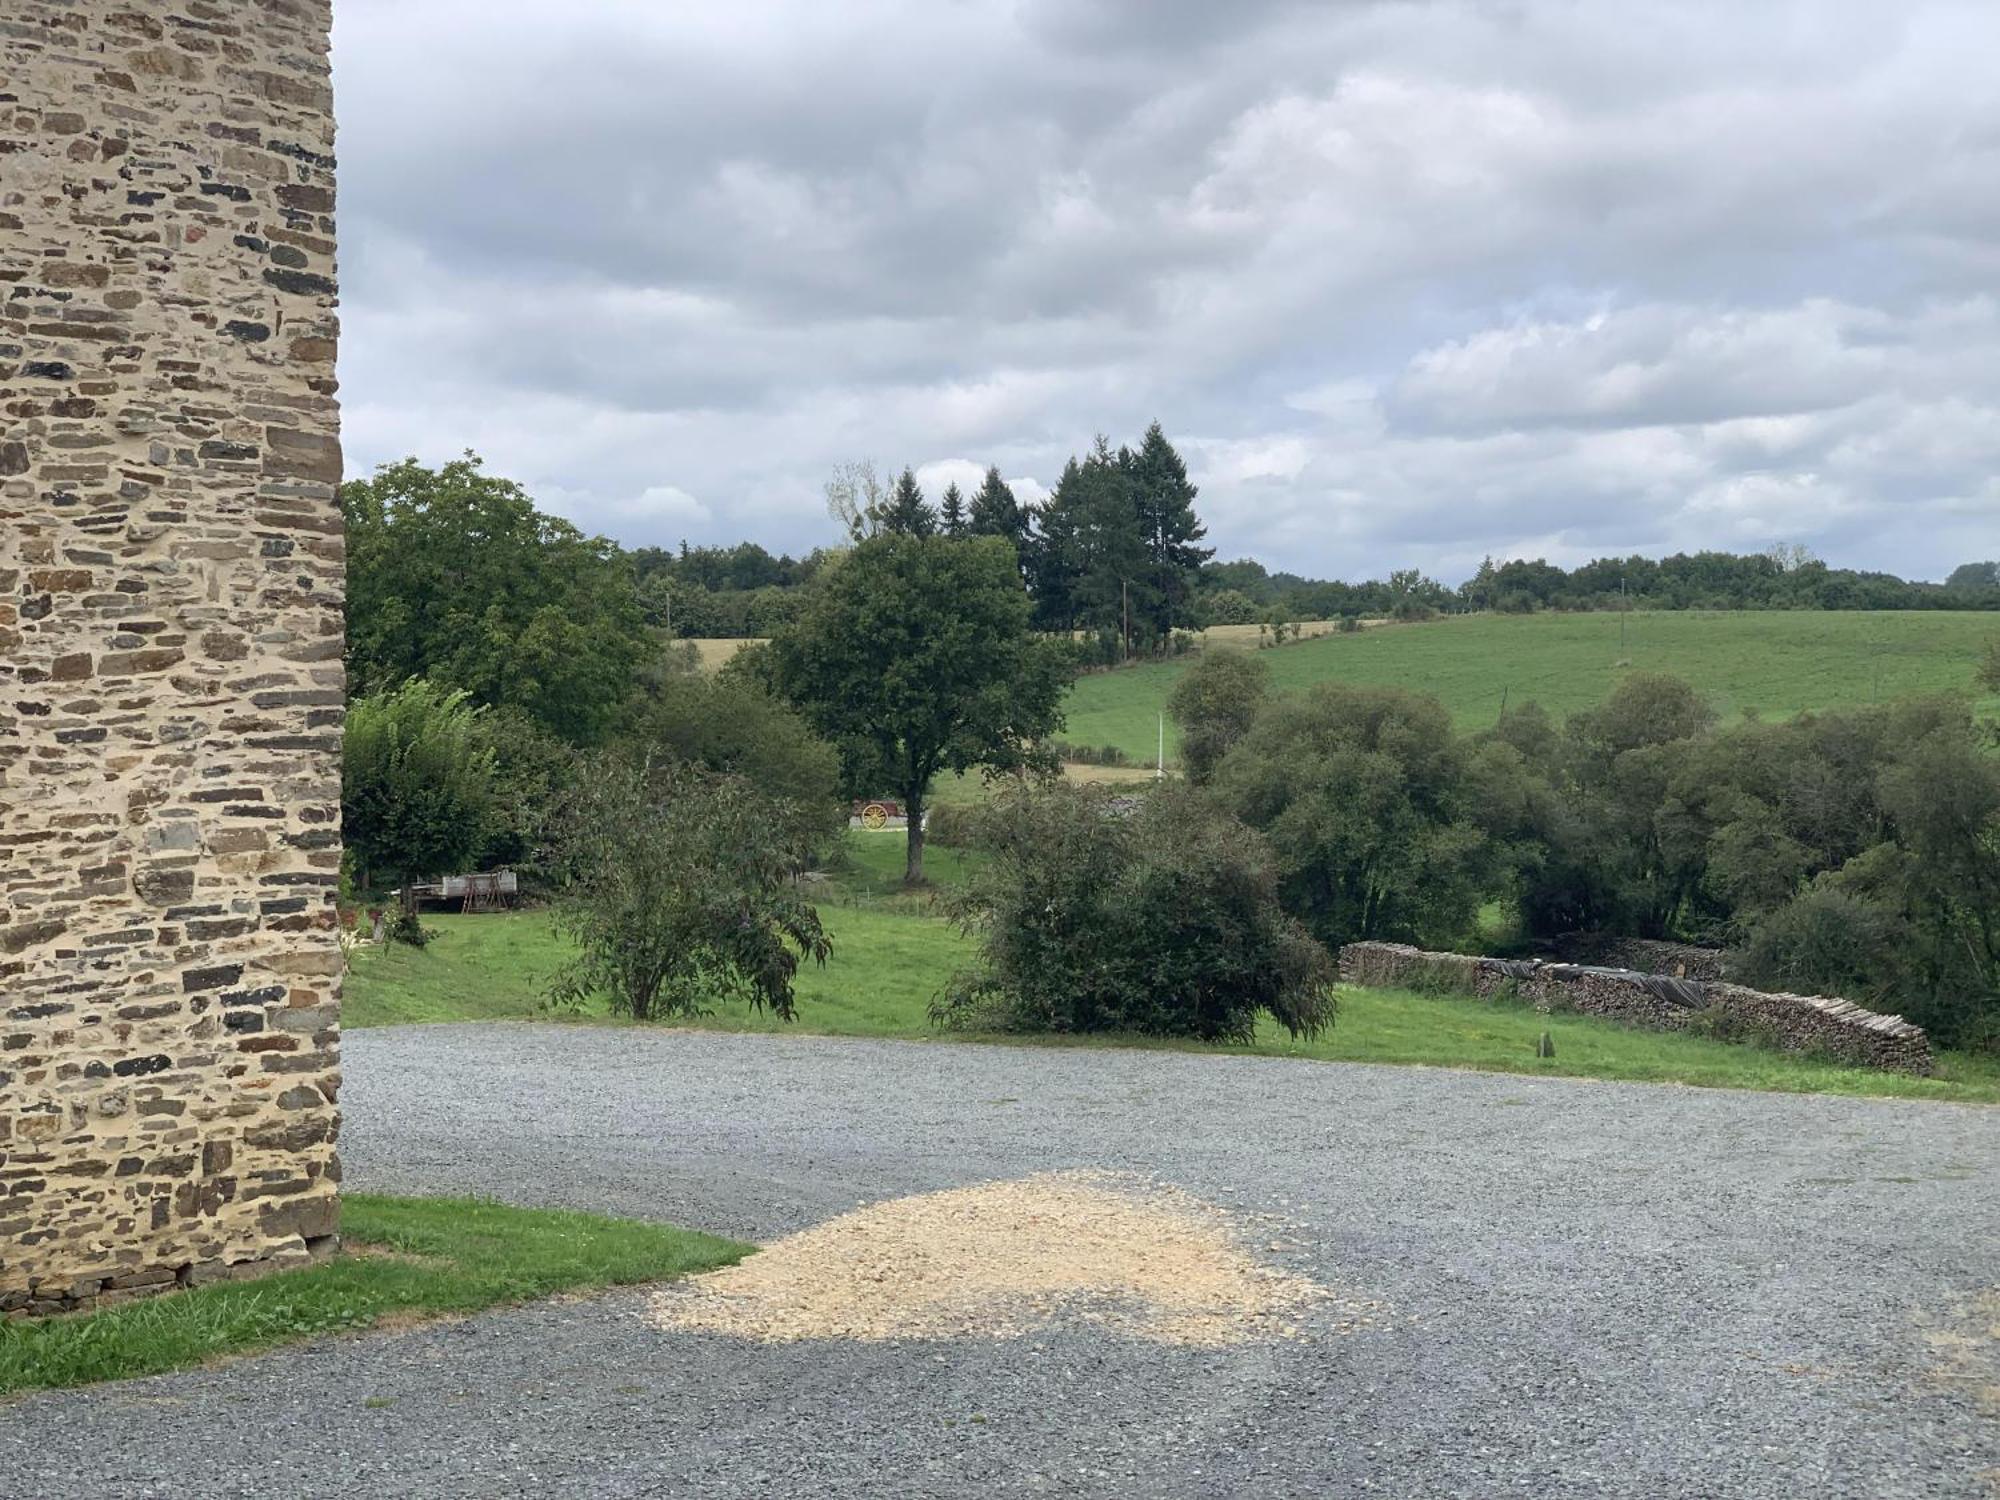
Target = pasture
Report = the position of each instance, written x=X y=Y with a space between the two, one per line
x=893 y=954
x=1774 y=663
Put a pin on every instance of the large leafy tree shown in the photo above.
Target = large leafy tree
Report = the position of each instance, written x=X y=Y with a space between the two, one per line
x=731 y=724
x=1373 y=809
x=916 y=656
x=454 y=575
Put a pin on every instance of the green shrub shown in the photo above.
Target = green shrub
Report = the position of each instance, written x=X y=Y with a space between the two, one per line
x=1721 y=1024
x=679 y=893
x=1161 y=920
x=1089 y=755
x=955 y=825
x=1214 y=704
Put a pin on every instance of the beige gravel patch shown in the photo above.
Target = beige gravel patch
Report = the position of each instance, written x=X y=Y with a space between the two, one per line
x=1006 y=1259
x=1965 y=1347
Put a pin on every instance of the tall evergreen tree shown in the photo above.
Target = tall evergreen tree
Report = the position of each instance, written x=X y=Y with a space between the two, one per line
x=1114 y=584
x=995 y=512
x=1051 y=555
x=1170 y=532
x=907 y=512
x=953 y=511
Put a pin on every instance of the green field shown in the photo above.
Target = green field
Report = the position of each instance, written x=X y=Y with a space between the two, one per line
x=892 y=956
x=1774 y=663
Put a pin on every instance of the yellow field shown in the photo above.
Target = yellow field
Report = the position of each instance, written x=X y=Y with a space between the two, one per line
x=715 y=654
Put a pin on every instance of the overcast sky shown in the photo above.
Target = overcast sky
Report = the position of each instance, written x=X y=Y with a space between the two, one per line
x=1407 y=283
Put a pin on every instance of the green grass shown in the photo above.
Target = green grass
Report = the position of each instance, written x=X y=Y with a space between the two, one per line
x=885 y=968
x=1773 y=662
x=403 y=1257
x=888 y=964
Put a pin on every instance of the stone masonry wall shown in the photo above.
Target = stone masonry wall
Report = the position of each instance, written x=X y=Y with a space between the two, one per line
x=1795 y=1023
x=170 y=645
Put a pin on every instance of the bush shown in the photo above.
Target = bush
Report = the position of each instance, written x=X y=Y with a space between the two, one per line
x=956 y=825
x=1228 y=607
x=1089 y=755
x=417 y=792
x=1164 y=922
x=1214 y=704
x=679 y=894
x=1350 y=624
x=1374 y=811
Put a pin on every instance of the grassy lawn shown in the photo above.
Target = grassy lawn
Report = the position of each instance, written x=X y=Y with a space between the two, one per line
x=403 y=1257
x=1774 y=662
x=890 y=960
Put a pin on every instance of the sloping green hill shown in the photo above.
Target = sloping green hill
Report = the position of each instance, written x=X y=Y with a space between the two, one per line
x=1774 y=663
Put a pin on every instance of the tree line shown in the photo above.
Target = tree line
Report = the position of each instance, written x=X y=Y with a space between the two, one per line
x=513 y=705
x=1852 y=853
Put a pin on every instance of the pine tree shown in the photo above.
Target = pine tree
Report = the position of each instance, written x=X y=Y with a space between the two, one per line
x=1113 y=585
x=1050 y=552
x=953 y=511
x=1171 y=533
x=995 y=511
x=908 y=513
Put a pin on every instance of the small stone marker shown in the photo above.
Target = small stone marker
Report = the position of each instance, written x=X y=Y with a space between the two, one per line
x=1546 y=1047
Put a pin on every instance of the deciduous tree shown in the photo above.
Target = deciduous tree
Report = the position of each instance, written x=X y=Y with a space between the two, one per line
x=916 y=657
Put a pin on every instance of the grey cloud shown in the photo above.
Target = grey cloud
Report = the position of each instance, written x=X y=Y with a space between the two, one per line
x=1583 y=278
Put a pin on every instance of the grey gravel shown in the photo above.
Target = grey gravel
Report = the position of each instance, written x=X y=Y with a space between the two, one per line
x=1594 y=1289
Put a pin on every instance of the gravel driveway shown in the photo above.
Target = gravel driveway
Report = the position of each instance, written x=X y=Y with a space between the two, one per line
x=1591 y=1289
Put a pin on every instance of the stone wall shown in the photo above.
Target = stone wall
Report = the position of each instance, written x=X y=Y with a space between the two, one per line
x=170 y=645
x=1794 y=1023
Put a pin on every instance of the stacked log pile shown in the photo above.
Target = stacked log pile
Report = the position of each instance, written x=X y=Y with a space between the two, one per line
x=1837 y=1029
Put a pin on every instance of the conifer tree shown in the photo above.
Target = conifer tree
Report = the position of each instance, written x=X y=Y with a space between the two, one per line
x=1050 y=553
x=1170 y=533
x=995 y=511
x=907 y=512
x=1114 y=586
x=953 y=511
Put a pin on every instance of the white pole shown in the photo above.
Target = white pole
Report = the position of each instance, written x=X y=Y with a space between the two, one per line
x=1162 y=776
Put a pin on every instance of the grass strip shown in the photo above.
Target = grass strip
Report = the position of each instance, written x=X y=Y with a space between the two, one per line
x=402 y=1257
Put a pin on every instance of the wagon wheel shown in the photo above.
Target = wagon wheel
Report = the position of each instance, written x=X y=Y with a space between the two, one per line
x=875 y=816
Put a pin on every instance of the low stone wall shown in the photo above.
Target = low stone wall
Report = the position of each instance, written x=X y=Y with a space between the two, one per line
x=1795 y=1023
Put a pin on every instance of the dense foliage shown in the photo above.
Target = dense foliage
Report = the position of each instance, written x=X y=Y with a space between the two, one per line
x=1781 y=578
x=1163 y=921
x=732 y=724
x=1853 y=853
x=1215 y=703
x=1375 y=811
x=417 y=784
x=679 y=894
x=914 y=655
x=454 y=575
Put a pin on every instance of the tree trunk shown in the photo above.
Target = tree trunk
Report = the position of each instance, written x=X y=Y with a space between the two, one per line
x=913 y=868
